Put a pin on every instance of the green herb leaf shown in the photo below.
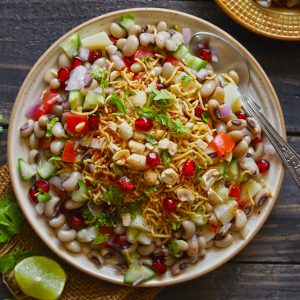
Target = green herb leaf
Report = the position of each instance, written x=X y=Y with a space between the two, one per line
x=198 y=172
x=165 y=157
x=43 y=197
x=10 y=218
x=101 y=238
x=174 y=226
x=115 y=168
x=98 y=73
x=163 y=98
x=133 y=208
x=146 y=59
x=150 y=138
x=173 y=247
x=129 y=92
x=113 y=196
x=116 y=100
x=164 y=120
x=148 y=191
x=205 y=117
x=55 y=158
x=178 y=129
x=87 y=215
x=200 y=210
x=185 y=79
x=146 y=112
x=50 y=126
x=104 y=219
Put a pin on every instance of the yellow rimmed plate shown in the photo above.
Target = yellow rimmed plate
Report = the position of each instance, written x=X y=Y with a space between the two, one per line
x=277 y=23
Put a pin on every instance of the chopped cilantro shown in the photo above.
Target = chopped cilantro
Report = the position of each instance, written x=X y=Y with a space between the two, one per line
x=165 y=157
x=205 y=117
x=175 y=226
x=113 y=196
x=133 y=208
x=186 y=79
x=173 y=247
x=9 y=261
x=163 y=98
x=164 y=120
x=200 y=210
x=148 y=191
x=50 y=126
x=116 y=100
x=146 y=59
x=55 y=158
x=43 y=196
x=104 y=219
x=101 y=238
x=198 y=171
x=87 y=215
x=10 y=218
x=150 y=138
x=178 y=129
x=115 y=168
x=129 y=92
x=146 y=112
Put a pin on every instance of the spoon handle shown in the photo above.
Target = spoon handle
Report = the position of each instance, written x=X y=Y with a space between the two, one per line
x=287 y=154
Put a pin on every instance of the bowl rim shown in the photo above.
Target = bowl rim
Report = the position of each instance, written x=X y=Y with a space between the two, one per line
x=274 y=13
x=14 y=175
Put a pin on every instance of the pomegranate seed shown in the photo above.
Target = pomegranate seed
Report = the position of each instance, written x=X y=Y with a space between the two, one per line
x=241 y=115
x=126 y=184
x=63 y=75
x=198 y=111
x=42 y=184
x=106 y=230
x=33 y=194
x=120 y=240
x=256 y=140
x=206 y=55
x=152 y=160
x=169 y=205
x=203 y=51
x=159 y=266
x=93 y=122
x=263 y=165
x=235 y=191
x=76 y=62
x=76 y=221
x=143 y=124
x=94 y=55
x=113 y=39
x=159 y=86
x=189 y=168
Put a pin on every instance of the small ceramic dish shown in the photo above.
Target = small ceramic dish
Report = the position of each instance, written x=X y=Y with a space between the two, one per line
x=278 y=23
x=261 y=88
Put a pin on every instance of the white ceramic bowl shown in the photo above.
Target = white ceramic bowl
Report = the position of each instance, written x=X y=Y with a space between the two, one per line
x=261 y=89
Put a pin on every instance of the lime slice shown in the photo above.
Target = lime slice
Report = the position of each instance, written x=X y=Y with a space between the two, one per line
x=40 y=277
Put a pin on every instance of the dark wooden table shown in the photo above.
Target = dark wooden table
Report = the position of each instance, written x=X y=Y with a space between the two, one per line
x=269 y=268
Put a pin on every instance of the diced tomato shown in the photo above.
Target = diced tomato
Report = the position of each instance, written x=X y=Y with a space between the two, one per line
x=171 y=59
x=106 y=230
x=48 y=101
x=138 y=76
x=113 y=39
x=128 y=62
x=44 y=143
x=73 y=120
x=141 y=53
x=69 y=154
x=235 y=191
x=222 y=143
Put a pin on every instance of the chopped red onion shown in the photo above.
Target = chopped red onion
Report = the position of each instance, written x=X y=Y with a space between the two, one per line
x=76 y=80
x=32 y=109
x=91 y=167
x=84 y=53
x=87 y=79
x=98 y=90
x=202 y=74
x=187 y=35
x=39 y=208
x=225 y=110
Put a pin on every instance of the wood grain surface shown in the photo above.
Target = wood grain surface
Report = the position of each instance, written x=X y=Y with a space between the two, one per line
x=269 y=267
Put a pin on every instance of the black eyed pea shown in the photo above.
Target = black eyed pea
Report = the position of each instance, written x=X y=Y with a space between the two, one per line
x=209 y=67
x=201 y=243
x=57 y=221
x=162 y=26
x=148 y=28
x=145 y=250
x=258 y=151
x=262 y=196
x=248 y=163
x=27 y=129
x=135 y=30
x=33 y=156
x=177 y=37
x=180 y=266
x=218 y=94
x=50 y=74
x=111 y=50
x=156 y=71
x=73 y=246
x=208 y=88
x=237 y=124
x=120 y=43
x=189 y=229
x=223 y=231
x=240 y=149
x=33 y=142
x=71 y=183
x=66 y=106
x=131 y=45
x=70 y=204
x=101 y=62
x=64 y=61
x=213 y=220
x=234 y=76
x=117 y=31
x=118 y=62
x=253 y=126
x=146 y=39
x=240 y=220
x=237 y=135
x=58 y=130
x=66 y=235
x=57 y=146
x=51 y=207
x=247 y=138
x=214 y=110
x=225 y=242
x=193 y=246
x=96 y=258
x=131 y=248
x=114 y=75
x=209 y=244
x=38 y=131
x=43 y=121
x=167 y=70
x=171 y=45
x=136 y=67
x=57 y=110
x=161 y=38
x=182 y=245
x=54 y=83
x=120 y=229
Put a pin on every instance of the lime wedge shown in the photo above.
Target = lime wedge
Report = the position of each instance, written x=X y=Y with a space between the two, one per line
x=40 y=277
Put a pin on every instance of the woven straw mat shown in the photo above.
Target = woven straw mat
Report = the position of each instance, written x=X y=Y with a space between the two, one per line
x=79 y=286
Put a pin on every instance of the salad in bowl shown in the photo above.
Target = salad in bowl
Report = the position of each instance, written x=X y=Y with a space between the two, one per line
x=140 y=155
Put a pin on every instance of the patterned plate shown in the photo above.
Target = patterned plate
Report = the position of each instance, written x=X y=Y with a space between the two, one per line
x=277 y=23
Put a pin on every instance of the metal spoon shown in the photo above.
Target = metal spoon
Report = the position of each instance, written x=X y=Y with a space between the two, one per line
x=230 y=58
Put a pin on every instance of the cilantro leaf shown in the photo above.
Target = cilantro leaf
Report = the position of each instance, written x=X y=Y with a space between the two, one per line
x=164 y=120
x=205 y=117
x=150 y=138
x=43 y=197
x=178 y=129
x=163 y=98
x=165 y=157
x=87 y=215
x=174 y=249
x=113 y=195
x=10 y=218
x=148 y=191
x=133 y=208
x=104 y=219
x=146 y=112
x=115 y=168
x=101 y=238
x=175 y=226
x=98 y=74
x=116 y=100
x=198 y=171
x=50 y=126
x=186 y=79
x=55 y=158
x=129 y=92
x=146 y=59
